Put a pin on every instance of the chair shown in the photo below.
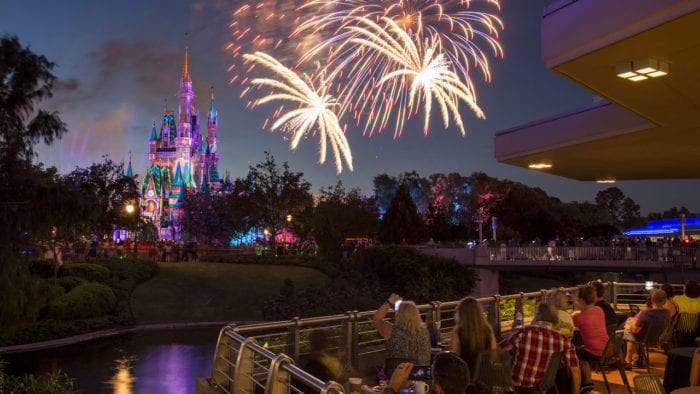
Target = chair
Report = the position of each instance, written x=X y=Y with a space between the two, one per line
x=686 y=329
x=634 y=309
x=611 y=357
x=648 y=384
x=667 y=339
x=549 y=378
x=493 y=368
x=651 y=338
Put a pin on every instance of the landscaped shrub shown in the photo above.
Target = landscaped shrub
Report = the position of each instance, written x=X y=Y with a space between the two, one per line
x=87 y=271
x=85 y=301
x=70 y=282
x=43 y=268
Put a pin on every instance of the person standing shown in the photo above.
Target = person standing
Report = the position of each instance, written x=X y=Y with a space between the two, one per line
x=589 y=320
x=472 y=333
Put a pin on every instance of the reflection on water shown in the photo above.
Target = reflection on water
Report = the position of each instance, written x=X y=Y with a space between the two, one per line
x=122 y=381
x=149 y=362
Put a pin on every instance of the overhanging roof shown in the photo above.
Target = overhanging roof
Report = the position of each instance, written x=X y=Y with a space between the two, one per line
x=642 y=130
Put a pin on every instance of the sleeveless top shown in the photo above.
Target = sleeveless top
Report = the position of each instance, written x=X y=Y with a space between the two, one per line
x=405 y=346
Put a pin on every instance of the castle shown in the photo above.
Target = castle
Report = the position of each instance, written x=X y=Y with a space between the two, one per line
x=181 y=160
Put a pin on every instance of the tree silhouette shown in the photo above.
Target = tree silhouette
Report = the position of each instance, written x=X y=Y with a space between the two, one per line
x=402 y=220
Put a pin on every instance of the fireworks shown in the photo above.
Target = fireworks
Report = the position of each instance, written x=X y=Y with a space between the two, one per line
x=418 y=68
x=384 y=61
x=315 y=110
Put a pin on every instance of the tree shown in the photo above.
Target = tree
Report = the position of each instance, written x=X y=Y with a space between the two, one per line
x=402 y=220
x=25 y=79
x=272 y=194
x=339 y=214
x=621 y=211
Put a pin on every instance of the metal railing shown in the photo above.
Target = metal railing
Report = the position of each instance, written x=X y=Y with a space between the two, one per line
x=264 y=355
x=684 y=254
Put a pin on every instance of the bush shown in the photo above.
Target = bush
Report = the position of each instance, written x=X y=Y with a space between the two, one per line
x=417 y=276
x=85 y=301
x=87 y=271
x=70 y=282
x=43 y=268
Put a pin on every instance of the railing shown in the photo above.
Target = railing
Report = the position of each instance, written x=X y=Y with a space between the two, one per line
x=683 y=254
x=264 y=355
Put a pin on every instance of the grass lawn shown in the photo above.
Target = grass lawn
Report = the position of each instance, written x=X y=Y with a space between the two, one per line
x=197 y=292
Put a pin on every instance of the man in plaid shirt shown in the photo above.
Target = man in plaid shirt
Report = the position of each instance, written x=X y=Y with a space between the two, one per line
x=530 y=347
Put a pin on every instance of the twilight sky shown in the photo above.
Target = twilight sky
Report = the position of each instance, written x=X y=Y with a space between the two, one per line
x=118 y=61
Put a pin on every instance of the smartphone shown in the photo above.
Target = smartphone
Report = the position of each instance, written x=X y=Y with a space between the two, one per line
x=396 y=305
x=421 y=372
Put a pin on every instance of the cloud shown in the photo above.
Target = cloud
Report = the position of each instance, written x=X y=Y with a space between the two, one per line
x=66 y=85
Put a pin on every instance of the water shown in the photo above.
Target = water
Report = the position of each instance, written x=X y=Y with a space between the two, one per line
x=149 y=362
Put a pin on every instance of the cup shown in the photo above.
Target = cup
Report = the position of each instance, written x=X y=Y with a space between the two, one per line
x=421 y=387
x=355 y=385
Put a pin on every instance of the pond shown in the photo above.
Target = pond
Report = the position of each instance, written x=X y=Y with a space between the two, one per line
x=146 y=362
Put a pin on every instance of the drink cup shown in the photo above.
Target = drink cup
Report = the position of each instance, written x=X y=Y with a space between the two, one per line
x=355 y=385
x=420 y=387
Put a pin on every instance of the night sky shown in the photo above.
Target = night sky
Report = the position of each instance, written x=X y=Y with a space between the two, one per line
x=117 y=62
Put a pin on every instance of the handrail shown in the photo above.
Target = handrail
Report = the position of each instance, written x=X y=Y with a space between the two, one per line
x=241 y=364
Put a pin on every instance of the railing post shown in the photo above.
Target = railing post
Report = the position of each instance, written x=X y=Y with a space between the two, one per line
x=436 y=318
x=614 y=294
x=519 y=308
x=494 y=315
x=294 y=338
x=352 y=339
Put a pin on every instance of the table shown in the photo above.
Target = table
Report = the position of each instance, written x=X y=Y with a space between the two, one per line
x=687 y=390
x=677 y=373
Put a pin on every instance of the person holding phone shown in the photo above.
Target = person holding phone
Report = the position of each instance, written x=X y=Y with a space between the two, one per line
x=450 y=376
x=408 y=338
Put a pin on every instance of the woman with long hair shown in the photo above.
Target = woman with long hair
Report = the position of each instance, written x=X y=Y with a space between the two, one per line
x=472 y=333
x=408 y=339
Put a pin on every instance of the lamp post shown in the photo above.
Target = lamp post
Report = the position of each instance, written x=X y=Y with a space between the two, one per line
x=132 y=209
x=480 y=220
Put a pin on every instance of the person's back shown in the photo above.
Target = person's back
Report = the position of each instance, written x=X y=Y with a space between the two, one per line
x=531 y=346
x=689 y=302
x=406 y=346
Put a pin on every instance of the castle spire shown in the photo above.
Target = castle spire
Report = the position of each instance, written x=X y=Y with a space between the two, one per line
x=129 y=171
x=186 y=65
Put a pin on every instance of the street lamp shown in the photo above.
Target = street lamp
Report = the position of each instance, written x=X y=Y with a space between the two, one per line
x=131 y=209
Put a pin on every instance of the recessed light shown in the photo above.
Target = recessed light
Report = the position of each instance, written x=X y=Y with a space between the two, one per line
x=539 y=166
x=606 y=180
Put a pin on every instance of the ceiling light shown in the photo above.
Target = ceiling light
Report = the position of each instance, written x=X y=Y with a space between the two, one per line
x=606 y=180
x=641 y=69
x=539 y=166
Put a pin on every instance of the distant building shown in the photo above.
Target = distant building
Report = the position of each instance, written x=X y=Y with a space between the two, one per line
x=182 y=160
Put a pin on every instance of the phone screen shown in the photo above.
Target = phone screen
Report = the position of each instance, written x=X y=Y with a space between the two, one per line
x=421 y=372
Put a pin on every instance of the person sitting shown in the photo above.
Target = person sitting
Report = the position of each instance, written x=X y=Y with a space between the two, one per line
x=408 y=339
x=323 y=363
x=589 y=320
x=670 y=304
x=639 y=326
x=450 y=376
x=560 y=299
x=610 y=316
x=531 y=346
x=472 y=333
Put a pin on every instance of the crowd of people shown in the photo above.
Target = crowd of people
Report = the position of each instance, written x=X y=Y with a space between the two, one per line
x=581 y=337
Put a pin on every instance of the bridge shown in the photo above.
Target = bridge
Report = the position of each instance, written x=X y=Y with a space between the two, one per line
x=654 y=263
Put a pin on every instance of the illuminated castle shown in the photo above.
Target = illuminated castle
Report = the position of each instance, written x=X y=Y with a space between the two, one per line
x=181 y=160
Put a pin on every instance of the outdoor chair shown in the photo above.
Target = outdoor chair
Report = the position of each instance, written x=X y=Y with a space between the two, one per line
x=493 y=368
x=687 y=329
x=549 y=379
x=651 y=338
x=611 y=358
x=648 y=384
x=667 y=339
x=634 y=309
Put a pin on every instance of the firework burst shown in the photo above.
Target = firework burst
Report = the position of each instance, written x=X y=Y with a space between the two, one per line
x=315 y=111
x=412 y=74
x=459 y=30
